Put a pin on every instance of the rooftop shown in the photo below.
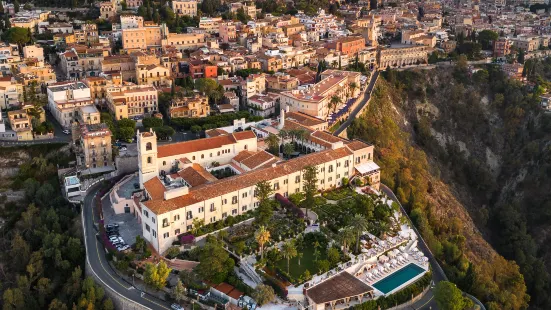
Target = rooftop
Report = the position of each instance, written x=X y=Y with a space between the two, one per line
x=338 y=287
x=64 y=86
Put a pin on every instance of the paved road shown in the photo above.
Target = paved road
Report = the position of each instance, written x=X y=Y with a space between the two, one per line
x=95 y=256
x=360 y=106
x=427 y=302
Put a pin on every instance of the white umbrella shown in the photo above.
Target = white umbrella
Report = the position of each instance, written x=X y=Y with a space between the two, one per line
x=399 y=257
x=415 y=250
x=375 y=271
x=368 y=274
x=387 y=265
x=394 y=261
x=425 y=259
x=402 y=248
x=382 y=243
x=381 y=269
x=391 y=254
x=363 y=241
x=391 y=240
x=365 y=250
x=383 y=258
x=405 y=255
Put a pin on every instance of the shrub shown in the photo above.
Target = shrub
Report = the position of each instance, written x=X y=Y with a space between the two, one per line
x=172 y=252
x=187 y=239
x=287 y=204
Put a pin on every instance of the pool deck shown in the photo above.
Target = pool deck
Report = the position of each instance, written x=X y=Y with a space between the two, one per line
x=403 y=285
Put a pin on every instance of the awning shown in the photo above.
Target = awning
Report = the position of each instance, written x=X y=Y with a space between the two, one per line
x=367 y=167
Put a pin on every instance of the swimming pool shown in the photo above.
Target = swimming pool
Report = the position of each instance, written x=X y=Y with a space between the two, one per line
x=398 y=278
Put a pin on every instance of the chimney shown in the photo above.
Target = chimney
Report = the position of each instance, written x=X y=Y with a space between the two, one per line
x=281 y=119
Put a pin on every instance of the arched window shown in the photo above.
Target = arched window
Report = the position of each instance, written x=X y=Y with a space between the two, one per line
x=202 y=156
x=148 y=146
x=149 y=160
x=164 y=163
x=245 y=146
x=193 y=157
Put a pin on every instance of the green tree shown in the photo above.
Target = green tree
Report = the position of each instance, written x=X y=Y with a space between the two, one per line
x=13 y=298
x=156 y=275
x=310 y=177
x=17 y=35
x=358 y=223
x=486 y=38
x=126 y=122
x=333 y=256
x=288 y=149
x=197 y=223
x=449 y=297
x=334 y=103
x=345 y=238
x=263 y=191
x=178 y=291
x=126 y=133
x=288 y=251
x=263 y=294
x=214 y=262
x=151 y=122
x=164 y=132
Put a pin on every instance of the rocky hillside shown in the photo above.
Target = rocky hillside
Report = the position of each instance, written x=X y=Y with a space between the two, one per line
x=468 y=154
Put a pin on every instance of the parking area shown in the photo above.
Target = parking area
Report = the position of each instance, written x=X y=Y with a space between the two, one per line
x=129 y=227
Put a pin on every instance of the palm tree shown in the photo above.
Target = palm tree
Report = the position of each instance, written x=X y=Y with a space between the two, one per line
x=345 y=238
x=334 y=102
x=316 y=252
x=288 y=250
x=358 y=224
x=262 y=236
x=273 y=144
x=352 y=87
x=288 y=149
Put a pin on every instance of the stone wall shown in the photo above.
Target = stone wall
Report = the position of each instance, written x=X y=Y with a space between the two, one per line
x=126 y=164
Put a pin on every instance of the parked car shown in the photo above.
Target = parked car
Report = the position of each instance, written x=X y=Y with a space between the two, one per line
x=176 y=307
x=124 y=149
x=66 y=131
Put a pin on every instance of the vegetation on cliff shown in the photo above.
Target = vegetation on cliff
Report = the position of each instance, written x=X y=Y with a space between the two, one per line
x=415 y=164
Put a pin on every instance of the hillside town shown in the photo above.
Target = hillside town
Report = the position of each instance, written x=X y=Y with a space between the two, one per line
x=210 y=143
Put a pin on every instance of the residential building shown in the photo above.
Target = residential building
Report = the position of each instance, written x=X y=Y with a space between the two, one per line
x=263 y=105
x=131 y=21
x=209 y=24
x=185 y=8
x=65 y=100
x=348 y=45
x=227 y=32
x=403 y=56
x=191 y=106
x=95 y=148
x=281 y=82
x=33 y=51
x=20 y=122
x=132 y=101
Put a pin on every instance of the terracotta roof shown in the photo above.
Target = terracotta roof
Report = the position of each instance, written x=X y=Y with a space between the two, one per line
x=215 y=132
x=196 y=175
x=357 y=145
x=231 y=184
x=155 y=188
x=304 y=119
x=338 y=287
x=257 y=159
x=202 y=144
x=242 y=156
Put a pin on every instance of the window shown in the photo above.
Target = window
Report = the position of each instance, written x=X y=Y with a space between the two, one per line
x=244 y=195
x=212 y=208
x=256 y=204
x=165 y=222
x=322 y=181
x=234 y=211
x=177 y=232
x=149 y=160
x=285 y=181
x=218 y=153
x=164 y=163
x=346 y=163
x=213 y=219
x=193 y=158
x=153 y=220
x=244 y=208
x=148 y=146
x=154 y=233
x=338 y=176
x=224 y=215
x=176 y=217
x=297 y=190
x=189 y=215
x=330 y=179
x=255 y=193
x=202 y=156
x=338 y=164
x=224 y=201
x=201 y=210
x=165 y=235
x=285 y=194
x=234 y=200
x=276 y=186
x=189 y=227
x=145 y=213
x=147 y=227
x=330 y=168
x=297 y=179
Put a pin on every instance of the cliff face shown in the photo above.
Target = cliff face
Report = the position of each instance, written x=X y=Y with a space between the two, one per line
x=463 y=151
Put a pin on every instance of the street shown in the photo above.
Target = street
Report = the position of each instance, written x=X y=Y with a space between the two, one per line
x=95 y=257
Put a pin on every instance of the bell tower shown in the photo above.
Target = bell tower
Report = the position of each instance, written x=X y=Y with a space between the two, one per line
x=147 y=156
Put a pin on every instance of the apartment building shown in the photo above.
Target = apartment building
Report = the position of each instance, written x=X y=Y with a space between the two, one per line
x=123 y=64
x=281 y=82
x=192 y=106
x=132 y=101
x=88 y=34
x=11 y=92
x=154 y=74
x=209 y=24
x=20 y=122
x=142 y=38
x=131 y=21
x=33 y=51
x=348 y=45
x=185 y=41
x=175 y=199
x=95 y=147
x=263 y=105
x=248 y=7
x=107 y=9
x=315 y=100
x=65 y=100
x=227 y=32
x=99 y=84
x=39 y=72
x=185 y=8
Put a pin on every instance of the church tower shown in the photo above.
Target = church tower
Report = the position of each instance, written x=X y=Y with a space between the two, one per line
x=147 y=156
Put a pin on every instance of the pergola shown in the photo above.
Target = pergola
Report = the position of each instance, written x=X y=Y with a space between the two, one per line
x=342 y=288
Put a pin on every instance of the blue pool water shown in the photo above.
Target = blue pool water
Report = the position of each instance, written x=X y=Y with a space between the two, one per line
x=398 y=278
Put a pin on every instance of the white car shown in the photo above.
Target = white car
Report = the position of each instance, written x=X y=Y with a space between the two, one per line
x=66 y=131
x=176 y=307
x=124 y=149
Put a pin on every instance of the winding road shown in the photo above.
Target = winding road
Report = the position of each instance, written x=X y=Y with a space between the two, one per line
x=97 y=261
